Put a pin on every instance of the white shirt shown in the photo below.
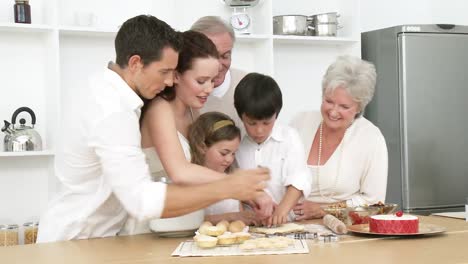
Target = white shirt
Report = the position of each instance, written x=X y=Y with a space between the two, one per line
x=133 y=226
x=357 y=170
x=283 y=154
x=102 y=168
x=221 y=90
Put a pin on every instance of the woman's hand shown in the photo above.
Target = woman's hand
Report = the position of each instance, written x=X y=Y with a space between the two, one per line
x=308 y=210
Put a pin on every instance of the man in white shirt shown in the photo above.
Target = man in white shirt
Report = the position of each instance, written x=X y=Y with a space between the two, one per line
x=102 y=168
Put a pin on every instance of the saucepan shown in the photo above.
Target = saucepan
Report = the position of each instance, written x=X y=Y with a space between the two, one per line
x=290 y=25
x=325 y=24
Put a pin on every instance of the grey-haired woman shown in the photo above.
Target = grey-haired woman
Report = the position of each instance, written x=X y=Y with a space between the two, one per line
x=347 y=154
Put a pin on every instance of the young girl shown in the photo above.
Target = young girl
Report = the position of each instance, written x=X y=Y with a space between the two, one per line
x=214 y=140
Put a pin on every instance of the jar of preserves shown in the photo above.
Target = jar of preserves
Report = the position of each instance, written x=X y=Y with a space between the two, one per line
x=8 y=235
x=22 y=11
x=30 y=232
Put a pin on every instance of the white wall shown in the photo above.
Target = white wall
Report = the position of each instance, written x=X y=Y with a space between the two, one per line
x=382 y=14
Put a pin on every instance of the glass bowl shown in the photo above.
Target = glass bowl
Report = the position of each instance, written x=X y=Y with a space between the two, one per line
x=360 y=214
x=338 y=212
x=388 y=208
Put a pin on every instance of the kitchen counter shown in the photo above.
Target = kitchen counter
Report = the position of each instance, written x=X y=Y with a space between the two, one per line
x=449 y=247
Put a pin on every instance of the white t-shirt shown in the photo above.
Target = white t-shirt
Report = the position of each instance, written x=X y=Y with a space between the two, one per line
x=102 y=168
x=283 y=153
x=357 y=170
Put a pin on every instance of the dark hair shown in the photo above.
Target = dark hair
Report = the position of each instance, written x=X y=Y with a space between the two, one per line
x=145 y=36
x=207 y=130
x=196 y=45
x=258 y=96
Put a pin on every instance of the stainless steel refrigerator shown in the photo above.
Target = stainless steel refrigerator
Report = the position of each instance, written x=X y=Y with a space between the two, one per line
x=421 y=107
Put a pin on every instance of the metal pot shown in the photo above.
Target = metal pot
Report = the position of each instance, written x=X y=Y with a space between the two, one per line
x=325 y=18
x=324 y=25
x=240 y=3
x=290 y=25
x=22 y=137
x=324 y=30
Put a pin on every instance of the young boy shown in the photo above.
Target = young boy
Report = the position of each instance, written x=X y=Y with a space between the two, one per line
x=258 y=101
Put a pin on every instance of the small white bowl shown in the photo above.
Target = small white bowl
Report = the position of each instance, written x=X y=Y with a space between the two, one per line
x=184 y=225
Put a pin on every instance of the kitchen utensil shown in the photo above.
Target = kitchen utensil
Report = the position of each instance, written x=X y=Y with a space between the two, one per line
x=324 y=30
x=22 y=137
x=290 y=25
x=240 y=18
x=234 y=3
x=325 y=18
x=181 y=226
x=324 y=25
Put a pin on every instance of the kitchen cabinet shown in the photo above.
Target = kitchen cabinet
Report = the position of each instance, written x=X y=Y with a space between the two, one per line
x=46 y=64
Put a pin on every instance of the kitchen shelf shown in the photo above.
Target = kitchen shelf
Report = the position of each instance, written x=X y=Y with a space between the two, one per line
x=87 y=32
x=27 y=153
x=311 y=40
x=252 y=38
x=17 y=27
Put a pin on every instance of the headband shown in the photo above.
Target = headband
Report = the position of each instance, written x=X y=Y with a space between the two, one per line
x=221 y=124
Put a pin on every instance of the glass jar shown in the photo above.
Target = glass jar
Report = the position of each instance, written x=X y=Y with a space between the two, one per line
x=8 y=235
x=30 y=232
x=22 y=11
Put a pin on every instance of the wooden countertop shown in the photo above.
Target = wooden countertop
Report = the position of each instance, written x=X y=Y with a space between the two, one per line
x=449 y=247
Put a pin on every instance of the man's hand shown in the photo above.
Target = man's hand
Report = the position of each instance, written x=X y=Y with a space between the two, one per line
x=246 y=184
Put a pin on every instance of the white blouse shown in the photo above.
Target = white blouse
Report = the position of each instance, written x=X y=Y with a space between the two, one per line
x=357 y=170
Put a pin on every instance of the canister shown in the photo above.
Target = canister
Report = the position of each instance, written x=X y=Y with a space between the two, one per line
x=30 y=232
x=8 y=235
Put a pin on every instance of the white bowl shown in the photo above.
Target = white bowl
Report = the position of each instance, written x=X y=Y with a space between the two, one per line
x=183 y=224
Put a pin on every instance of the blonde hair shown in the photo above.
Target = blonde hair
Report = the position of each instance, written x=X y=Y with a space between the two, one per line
x=207 y=130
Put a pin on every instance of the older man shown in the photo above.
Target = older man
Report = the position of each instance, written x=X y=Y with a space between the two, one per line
x=222 y=35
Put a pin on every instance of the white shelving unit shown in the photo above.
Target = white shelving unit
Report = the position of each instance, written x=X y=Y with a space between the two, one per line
x=46 y=64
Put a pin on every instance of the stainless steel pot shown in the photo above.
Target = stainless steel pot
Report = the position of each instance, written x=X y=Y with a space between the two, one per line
x=324 y=25
x=240 y=3
x=325 y=18
x=290 y=25
x=324 y=30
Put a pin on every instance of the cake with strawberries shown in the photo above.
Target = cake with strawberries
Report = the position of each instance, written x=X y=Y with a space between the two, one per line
x=394 y=224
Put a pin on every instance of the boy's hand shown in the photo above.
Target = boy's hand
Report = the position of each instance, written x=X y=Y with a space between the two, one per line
x=263 y=206
x=279 y=217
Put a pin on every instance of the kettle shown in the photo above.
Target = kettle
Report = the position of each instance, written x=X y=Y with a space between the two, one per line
x=22 y=137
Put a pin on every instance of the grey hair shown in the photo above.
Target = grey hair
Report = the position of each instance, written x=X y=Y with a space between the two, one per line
x=213 y=25
x=356 y=76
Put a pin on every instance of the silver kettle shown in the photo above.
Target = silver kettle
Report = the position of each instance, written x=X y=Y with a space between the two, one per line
x=22 y=137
